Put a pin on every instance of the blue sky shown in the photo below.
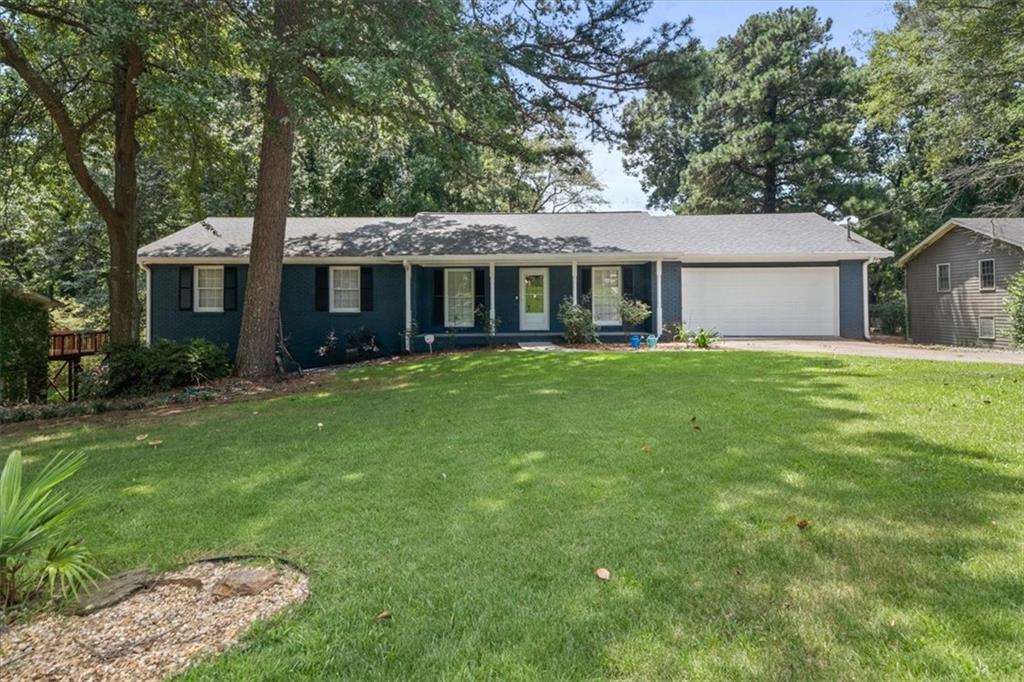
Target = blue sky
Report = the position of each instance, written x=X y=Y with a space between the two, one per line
x=852 y=22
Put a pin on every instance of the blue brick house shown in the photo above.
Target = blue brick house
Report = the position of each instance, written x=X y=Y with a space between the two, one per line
x=445 y=274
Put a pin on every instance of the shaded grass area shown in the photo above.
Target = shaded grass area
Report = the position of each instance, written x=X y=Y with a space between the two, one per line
x=473 y=496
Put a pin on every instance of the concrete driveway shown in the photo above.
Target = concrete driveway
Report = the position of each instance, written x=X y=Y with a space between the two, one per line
x=904 y=351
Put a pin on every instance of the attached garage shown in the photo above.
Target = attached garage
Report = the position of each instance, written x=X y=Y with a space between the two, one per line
x=762 y=301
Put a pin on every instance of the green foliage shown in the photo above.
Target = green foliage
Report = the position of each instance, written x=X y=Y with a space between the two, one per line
x=772 y=129
x=140 y=369
x=24 y=345
x=677 y=331
x=1015 y=308
x=578 y=321
x=889 y=317
x=705 y=338
x=33 y=519
x=633 y=313
x=945 y=84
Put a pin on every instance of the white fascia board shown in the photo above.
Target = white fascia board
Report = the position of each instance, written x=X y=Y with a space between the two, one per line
x=537 y=259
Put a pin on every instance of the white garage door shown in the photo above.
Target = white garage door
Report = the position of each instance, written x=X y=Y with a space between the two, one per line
x=783 y=301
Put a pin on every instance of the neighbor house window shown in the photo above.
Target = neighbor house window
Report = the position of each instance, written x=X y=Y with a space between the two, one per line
x=209 y=289
x=607 y=295
x=987 y=328
x=987 y=274
x=458 y=297
x=345 y=289
x=942 y=282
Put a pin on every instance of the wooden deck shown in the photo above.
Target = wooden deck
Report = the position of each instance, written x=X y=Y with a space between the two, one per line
x=74 y=345
x=68 y=348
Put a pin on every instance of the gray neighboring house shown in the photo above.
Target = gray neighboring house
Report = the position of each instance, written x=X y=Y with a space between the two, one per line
x=445 y=274
x=956 y=282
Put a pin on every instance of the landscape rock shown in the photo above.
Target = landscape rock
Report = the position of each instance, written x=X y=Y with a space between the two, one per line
x=113 y=590
x=244 y=583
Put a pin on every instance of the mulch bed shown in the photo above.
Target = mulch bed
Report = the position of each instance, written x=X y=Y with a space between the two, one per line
x=185 y=616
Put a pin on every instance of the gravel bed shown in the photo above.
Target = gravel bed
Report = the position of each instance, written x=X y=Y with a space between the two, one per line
x=152 y=634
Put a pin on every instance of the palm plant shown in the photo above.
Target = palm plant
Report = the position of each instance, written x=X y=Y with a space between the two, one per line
x=33 y=517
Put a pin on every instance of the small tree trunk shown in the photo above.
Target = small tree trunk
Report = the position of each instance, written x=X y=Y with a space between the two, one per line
x=260 y=314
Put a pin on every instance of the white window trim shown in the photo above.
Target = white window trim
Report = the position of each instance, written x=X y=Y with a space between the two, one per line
x=195 y=289
x=593 y=279
x=472 y=287
x=938 y=279
x=981 y=285
x=359 y=289
x=987 y=317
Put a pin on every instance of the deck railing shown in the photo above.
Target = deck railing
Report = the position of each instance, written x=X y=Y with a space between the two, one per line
x=70 y=345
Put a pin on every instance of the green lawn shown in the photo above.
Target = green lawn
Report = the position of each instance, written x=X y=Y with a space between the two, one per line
x=474 y=495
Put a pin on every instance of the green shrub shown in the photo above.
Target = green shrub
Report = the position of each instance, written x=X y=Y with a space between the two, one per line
x=131 y=369
x=578 y=321
x=889 y=317
x=35 y=553
x=24 y=345
x=705 y=338
x=1015 y=308
x=633 y=313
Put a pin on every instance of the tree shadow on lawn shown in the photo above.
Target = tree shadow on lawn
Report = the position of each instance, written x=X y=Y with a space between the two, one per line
x=476 y=499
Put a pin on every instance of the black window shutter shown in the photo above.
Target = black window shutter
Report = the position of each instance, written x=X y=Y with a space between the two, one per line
x=585 y=282
x=437 y=313
x=185 y=287
x=323 y=289
x=366 y=289
x=628 y=288
x=479 y=286
x=230 y=287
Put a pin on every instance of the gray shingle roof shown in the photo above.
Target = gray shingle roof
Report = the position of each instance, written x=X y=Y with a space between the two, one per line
x=450 y=234
x=1009 y=230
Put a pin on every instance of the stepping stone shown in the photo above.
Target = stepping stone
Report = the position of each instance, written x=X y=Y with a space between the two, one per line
x=244 y=583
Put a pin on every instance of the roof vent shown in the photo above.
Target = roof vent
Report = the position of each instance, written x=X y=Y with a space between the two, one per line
x=849 y=222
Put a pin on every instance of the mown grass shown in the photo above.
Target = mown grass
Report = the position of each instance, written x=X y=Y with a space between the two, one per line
x=474 y=495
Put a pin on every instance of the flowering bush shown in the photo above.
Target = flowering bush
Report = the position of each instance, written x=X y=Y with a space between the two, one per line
x=578 y=321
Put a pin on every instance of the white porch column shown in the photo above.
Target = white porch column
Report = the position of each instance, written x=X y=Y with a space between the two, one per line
x=490 y=272
x=149 y=305
x=408 y=304
x=657 y=310
x=575 y=275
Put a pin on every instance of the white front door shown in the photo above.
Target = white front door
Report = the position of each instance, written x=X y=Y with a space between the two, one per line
x=533 y=299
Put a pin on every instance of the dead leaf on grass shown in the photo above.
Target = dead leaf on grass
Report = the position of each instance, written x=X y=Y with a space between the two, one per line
x=383 y=615
x=696 y=428
x=647 y=448
x=803 y=524
x=603 y=574
x=142 y=436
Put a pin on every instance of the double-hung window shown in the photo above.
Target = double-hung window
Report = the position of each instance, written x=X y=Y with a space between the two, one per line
x=459 y=295
x=345 y=289
x=987 y=274
x=606 y=291
x=942 y=280
x=987 y=328
x=209 y=288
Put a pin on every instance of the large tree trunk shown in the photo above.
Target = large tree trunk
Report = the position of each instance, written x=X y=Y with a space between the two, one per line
x=123 y=231
x=260 y=314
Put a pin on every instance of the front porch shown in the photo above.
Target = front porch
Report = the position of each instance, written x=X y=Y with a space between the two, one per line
x=454 y=301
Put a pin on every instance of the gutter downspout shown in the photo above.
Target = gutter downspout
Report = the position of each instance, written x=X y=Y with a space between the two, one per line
x=867 y=320
x=490 y=273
